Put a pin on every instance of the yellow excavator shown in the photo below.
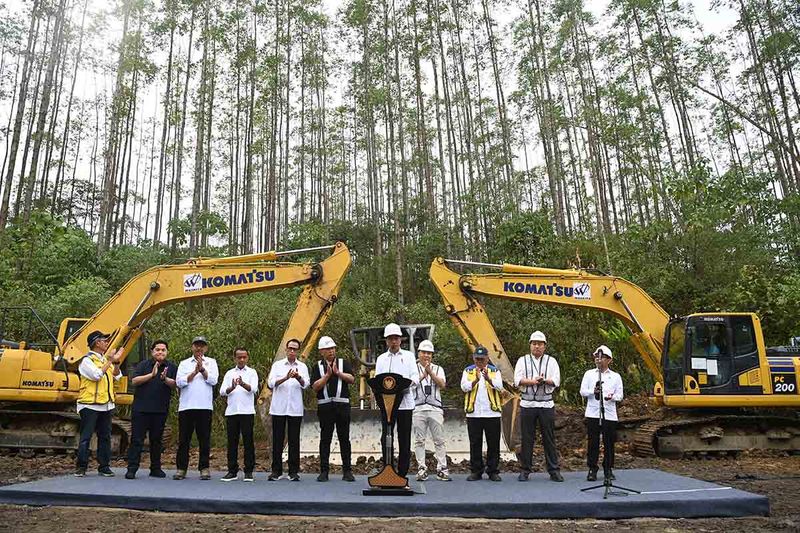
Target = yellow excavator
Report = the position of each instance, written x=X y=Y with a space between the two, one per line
x=39 y=387
x=712 y=367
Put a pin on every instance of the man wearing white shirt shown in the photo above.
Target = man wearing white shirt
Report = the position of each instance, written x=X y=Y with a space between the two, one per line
x=483 y=385
x=196 y=378
x=287 y=379
x=98 y=372
x=597 y=381
x=428 y=413
x=537 y=375
x=398 y=361
x=239 y=386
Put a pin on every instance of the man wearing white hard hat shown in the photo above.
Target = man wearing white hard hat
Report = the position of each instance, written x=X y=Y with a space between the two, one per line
x=428 y=413
x=537 y=375
x=330 y=379
x=597 y=382
x=398 y=361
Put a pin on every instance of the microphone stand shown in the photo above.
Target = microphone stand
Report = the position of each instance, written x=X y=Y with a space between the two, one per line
x=607 y=485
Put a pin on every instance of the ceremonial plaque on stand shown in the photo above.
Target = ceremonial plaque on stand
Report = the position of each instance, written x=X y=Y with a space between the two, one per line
x=388 y=390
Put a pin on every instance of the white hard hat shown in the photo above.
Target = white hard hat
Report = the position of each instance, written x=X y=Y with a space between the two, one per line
x=392 y=329
x=538 y=336
x=425 y=346
x=325 y=342
x=604 y=350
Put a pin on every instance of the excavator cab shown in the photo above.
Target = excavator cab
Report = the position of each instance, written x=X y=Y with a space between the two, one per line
x=714 y=354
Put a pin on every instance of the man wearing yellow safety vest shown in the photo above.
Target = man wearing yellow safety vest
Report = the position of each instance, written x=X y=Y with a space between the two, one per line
x=482 y=384
x=98 y=372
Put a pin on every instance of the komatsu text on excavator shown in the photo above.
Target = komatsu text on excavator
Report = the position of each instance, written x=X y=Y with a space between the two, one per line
x=38 y=387
x=709 y=365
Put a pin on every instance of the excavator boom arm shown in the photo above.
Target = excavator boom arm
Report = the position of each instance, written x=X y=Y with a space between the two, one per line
x=126 y=312
x=571 y=288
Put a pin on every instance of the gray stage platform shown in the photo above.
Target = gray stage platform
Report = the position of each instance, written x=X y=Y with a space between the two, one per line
x=663 y=495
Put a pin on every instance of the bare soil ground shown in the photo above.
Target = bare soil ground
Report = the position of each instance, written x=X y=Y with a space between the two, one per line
x=774 y=475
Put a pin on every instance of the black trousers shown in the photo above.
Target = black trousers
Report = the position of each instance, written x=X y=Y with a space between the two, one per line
x=237 y=425
x=279 y=425
x=334 y=415
x=193 y=421
x=545 y=417
x=95 y=422
x=403 y=428
x=151 y=424
x=609 y=431
x=476 y=429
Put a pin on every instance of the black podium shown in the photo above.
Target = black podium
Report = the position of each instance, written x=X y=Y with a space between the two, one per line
x=388 y=390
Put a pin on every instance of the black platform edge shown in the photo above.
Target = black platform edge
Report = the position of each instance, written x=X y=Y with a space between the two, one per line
x=609 y=509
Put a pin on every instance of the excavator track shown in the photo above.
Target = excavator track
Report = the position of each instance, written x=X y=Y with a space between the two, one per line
x=32 y=431
x=716 y=435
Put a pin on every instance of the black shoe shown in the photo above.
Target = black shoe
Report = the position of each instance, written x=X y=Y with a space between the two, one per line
x=323 y=476
x=556 y=476
x=592 y=475
x=523 y=476
x=294 y=477
x=495 y=477
x=105 y=472
x=475 y=476
x=80 y=472
x=158 y=473
x=348 y=476
x=609 y=475
x=230 y=476
x=248 y=477
x=130 y=474
x=274 y=477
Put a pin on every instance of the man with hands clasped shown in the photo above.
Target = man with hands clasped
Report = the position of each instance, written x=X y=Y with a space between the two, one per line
x=287 y=379
x=239 y=386
x=428 y=412
x=596 y=381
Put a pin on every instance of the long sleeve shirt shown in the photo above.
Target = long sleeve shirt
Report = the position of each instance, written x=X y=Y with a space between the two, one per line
x=287 y=397
x=483 y=408
x=404 y=363
x=91 y=371
x=544 y=366
x=198 y=393
x=612 y=386
x=240 y=400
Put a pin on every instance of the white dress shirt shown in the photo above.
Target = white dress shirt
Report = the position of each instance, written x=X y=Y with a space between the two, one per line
x=198 y=393
x=545 y=365
x=404 y=363
x=240 y=400
x=287 y=398
x=482 y=409
x=91 y=371
x=612 y=385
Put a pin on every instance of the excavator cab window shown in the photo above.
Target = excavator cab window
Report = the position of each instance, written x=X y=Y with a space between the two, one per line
x=674 y=349
x=710 y=362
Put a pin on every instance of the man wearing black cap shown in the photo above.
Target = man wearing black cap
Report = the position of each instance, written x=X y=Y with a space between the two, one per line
x=98 y=371
x=482 y=385
x=154 y=380
x=196 y=378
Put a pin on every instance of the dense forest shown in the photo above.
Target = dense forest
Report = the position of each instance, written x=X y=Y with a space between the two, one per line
x=544 y=132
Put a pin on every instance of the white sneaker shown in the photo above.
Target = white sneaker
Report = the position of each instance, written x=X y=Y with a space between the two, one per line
x=422 y=475
x=442 y=475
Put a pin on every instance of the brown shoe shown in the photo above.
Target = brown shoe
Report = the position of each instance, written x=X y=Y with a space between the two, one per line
x=205 y=474
x=180 y=474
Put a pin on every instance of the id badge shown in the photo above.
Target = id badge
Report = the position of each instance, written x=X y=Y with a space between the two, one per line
x=427 y=389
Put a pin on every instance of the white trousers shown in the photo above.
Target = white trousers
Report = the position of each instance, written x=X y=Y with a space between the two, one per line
x=423 y=421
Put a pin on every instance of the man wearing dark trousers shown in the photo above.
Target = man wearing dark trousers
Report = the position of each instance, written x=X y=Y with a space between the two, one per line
x=196 y=378
x=99 y=370
x=398 y=361
x=611 y=389
x=287 y=379
x=154 y=379
x=330 y=379
x=537 y=375
x=239 y=386
x=482 y=385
